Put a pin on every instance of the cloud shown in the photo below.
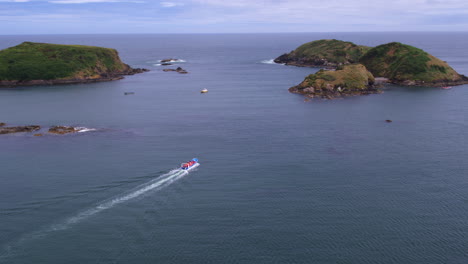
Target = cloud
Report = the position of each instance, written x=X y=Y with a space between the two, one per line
x=246 y=15
x=92 y=1
x=15 y=1
x=170 y=4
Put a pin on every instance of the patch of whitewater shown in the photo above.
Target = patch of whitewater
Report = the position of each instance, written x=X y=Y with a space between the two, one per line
x=153 y=185
x=271 y=61
x=159 y=62
x=85 y=129
x=175 y=61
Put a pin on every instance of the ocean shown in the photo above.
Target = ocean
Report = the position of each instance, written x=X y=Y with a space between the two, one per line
x=281 y=180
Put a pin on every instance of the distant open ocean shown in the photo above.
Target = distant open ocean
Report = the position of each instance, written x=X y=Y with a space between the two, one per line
x=280 y=181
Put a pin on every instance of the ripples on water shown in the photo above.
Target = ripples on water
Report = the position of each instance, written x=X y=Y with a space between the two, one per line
x=282 y=181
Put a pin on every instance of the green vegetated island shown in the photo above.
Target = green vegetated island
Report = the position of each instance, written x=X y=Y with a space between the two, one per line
x=351 y=69
x=43 y=64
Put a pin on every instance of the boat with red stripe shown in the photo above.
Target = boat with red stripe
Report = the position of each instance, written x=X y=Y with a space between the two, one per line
x=192 y=164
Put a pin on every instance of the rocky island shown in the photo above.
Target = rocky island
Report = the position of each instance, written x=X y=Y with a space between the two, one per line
x=347 y=80
x=44 y=64
x=324 y=53
x=353 y=67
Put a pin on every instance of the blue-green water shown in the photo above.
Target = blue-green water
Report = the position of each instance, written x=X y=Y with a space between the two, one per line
x=281 y=180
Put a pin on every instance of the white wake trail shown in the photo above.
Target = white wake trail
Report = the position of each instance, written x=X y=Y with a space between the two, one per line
x=155 y=185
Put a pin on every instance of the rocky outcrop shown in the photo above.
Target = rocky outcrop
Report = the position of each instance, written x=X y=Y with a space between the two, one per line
x=169 y=60
x=46 y=64
x=179 y=70
x=18 y=129
x=348 y=80
x=61 y=130
x=2 y=124
x=323 y=53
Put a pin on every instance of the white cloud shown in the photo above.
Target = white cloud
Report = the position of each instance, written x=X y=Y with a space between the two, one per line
x=15 y=1
x=92 y=1
x=170 y=4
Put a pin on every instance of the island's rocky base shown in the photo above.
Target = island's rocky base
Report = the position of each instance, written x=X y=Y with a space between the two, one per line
x=307 y=62
x=437 y=83
x=331 y=92
x=105 y=77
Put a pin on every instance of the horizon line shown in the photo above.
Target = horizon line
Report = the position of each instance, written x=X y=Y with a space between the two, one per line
x=228 y=33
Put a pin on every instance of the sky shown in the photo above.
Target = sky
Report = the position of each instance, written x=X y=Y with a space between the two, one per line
x=229 y=16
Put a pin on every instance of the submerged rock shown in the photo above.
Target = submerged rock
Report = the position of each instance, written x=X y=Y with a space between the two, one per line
x=18 y=129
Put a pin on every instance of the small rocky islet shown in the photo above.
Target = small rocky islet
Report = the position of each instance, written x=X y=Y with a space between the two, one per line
x=58 y=130
x=361 y=70
x=17 y=129
x=178 y=69
x=33 y=63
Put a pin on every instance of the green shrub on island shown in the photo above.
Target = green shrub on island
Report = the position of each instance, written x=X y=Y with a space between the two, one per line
x=41 y=61
x=323 y=53
x=409 y=65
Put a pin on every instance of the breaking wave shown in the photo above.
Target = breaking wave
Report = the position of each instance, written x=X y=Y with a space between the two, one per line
x=85 y=129
x=271 y=61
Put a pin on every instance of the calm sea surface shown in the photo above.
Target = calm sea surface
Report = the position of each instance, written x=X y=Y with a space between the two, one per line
x=281 y=180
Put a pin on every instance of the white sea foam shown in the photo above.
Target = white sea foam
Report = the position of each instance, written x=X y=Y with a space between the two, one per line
x=271 y=61
x=85 y=129
x=173 y=61
x=157 y=64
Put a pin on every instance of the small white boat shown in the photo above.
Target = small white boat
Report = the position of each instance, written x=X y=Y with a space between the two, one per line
x=204 y=91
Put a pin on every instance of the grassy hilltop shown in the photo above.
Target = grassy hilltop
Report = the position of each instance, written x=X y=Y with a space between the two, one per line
x=31 y=61
x=322 y=53
x=406 y=64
